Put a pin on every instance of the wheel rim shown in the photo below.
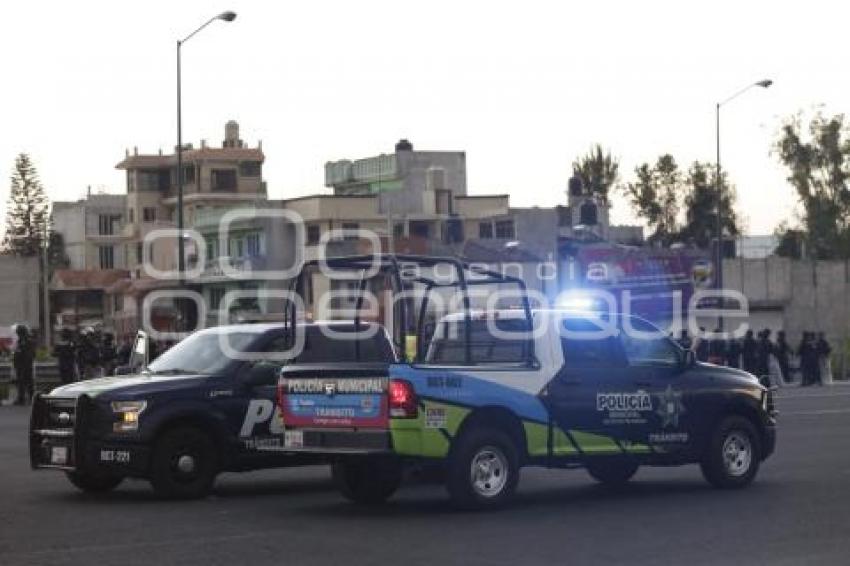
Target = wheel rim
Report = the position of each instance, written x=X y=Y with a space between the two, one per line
x=184 y=465
x=489 y=471
x=737 y=453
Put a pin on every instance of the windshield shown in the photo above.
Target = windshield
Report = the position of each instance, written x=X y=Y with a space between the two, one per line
x=200 y=353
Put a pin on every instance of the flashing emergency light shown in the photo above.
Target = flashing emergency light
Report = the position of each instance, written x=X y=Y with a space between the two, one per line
x=576 y=302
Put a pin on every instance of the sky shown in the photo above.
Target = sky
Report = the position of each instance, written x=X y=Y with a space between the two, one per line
x=522 y=87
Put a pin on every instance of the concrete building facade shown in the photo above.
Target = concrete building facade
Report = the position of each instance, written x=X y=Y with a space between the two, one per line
x=213 y=178
x=92 y=231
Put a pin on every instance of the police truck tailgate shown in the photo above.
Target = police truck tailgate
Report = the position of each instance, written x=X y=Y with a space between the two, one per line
x=341 y=408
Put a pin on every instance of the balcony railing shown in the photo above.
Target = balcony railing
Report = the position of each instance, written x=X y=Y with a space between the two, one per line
x=211 y=217
x=244 y=265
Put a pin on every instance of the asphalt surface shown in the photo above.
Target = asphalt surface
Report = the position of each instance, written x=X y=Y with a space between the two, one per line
x=797 y=512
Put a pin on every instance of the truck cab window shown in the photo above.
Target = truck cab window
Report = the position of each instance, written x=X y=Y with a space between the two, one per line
x=650 y=347
x=448 y=346
x=585 y=344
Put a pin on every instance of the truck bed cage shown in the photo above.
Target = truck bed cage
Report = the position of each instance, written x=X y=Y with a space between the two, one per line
x=466 y=275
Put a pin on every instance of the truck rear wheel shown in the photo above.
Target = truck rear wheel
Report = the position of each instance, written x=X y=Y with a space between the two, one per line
x=367 y=481
x=613 y=473
x=93 y=483
x=184 y=464
x=733 y=455
x=483 y=470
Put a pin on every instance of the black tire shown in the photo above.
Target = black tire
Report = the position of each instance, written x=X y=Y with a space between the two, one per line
x=483 y=470
x=93 y=483
x=733 y=454
x=184 y=464
x=612 y=473
x=367 y=481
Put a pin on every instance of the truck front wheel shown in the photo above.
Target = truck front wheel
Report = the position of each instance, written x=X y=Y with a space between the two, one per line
x=732 y=457
x=184 y=464
x=367 y=481
x=483 y=469
x=94 y=483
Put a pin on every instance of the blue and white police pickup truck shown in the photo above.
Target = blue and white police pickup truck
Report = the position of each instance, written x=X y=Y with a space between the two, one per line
x=193 y=412
x=496 y=391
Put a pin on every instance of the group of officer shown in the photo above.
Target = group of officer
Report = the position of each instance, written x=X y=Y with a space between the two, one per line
x=87 y=354
x=79 y=355
x=761 y=356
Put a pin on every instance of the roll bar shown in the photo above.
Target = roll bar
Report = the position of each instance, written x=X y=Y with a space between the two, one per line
x=393 y=264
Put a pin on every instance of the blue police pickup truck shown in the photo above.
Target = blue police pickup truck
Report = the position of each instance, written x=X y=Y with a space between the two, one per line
x=197 y=410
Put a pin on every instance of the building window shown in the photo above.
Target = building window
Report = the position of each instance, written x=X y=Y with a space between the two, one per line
x=224 y=179
x=164 y=180
x=130 y=187
x=139 y=253
x=237 y=248
x=107 y=257
x=485 y=230
x=353 y=227
x=588 y=214
x=188 y=174
x=131 y=215
x=505 y=229
x=212 y=248
x=216 y=295
x=453 y=231
x=250 y=169
x=419 y=229
x=314 y=233
x=252 y=245
x=106 y=224
x=148 y=180
x=149 y=214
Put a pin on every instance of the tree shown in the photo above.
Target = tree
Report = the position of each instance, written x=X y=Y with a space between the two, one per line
x=660 y=192
x=56 y=256
x=818 y=171
x=656 y=196
x=598 y=171
x=701 y=206
x=27 y=220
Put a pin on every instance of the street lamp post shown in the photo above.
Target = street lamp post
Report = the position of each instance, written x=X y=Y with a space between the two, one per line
x=181 y=258
x=719 y=188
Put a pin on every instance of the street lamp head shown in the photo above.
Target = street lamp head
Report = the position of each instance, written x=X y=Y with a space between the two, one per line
x=227 y=16
x=765 y=83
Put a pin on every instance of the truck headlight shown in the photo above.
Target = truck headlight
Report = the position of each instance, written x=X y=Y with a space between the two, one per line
x=128 y=415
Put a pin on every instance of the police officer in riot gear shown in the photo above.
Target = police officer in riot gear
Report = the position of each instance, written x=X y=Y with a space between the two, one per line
x=23 y=358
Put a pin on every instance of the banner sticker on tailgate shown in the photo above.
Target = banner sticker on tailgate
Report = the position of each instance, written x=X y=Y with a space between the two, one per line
x=346 y=386
x=335 y=402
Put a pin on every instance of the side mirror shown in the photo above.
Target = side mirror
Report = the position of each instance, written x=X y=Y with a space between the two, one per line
x=262 y=374
x=139 y=355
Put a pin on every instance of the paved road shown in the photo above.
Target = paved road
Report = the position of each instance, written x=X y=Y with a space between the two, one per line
x=798 y=512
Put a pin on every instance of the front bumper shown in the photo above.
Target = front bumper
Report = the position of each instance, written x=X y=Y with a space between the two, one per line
x=67 y=444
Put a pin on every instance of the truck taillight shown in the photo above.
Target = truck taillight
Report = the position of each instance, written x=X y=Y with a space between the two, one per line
x=402 y=399
x=279 y=397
